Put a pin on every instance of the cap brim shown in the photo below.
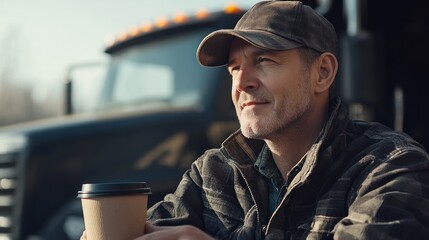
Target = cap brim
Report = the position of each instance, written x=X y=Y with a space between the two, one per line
x=214 y=49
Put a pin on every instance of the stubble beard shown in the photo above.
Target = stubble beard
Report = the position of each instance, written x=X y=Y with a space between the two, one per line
x=289 y=117
x=275 y=123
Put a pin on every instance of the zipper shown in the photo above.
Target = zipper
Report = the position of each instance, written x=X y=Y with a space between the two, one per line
x=285 y=200
x=290 y=189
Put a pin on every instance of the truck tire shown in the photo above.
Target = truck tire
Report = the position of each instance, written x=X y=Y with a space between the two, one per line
x=66 y=224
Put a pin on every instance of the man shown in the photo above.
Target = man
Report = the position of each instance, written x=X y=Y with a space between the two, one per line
x=298 y=168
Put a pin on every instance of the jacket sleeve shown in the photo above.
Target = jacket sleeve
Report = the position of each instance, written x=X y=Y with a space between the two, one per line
x=184 y=205
x=391 y=202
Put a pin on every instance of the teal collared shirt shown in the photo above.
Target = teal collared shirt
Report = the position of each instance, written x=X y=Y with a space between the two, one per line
x=266 y=166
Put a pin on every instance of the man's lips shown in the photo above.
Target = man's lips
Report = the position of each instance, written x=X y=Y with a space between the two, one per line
x=252 y=103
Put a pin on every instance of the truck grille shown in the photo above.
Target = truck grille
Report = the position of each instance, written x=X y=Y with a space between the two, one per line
x=8 y=179
x=11 y=149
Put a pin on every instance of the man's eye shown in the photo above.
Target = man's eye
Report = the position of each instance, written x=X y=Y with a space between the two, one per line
x=233 y=71
x=263 y=59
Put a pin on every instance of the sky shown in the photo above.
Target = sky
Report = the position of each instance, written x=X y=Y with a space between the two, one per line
x=40 y=39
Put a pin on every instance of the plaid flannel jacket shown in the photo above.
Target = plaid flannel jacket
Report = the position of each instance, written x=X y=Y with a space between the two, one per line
x=361 y=180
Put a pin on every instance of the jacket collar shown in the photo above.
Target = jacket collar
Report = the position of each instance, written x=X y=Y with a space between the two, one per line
x=245 y=150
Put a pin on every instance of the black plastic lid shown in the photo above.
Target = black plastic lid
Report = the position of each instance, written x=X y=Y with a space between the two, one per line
x=91 y=190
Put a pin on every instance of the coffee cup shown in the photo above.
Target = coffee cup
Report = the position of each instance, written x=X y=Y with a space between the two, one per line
x=114 y=211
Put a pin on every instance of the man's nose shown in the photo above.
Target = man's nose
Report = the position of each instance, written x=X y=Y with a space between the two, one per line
x=245 y=80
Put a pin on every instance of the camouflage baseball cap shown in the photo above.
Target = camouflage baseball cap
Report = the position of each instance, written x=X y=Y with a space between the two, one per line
x=272 y=25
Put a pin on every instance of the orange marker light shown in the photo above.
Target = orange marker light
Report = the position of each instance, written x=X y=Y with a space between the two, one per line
x=134 y=31
x=180 y=18
x=122 y=36
x=146 y=27
x=232 y=9
x=202 y=14
x=162 y=22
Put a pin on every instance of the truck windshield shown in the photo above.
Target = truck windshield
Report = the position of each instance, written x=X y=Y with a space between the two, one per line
x=162 y=72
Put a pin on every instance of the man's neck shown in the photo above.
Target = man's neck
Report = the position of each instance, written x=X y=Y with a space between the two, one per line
x=290 y=146
x=288 y=153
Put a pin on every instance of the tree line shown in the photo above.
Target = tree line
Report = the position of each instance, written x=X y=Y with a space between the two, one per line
x=17 y=104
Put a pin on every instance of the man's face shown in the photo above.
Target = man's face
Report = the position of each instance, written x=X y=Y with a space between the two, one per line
x=271 y=90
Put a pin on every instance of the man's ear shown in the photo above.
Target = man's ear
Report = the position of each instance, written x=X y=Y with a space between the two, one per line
x=326 y=67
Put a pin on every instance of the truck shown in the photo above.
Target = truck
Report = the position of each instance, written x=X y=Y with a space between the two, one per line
x=157 y=110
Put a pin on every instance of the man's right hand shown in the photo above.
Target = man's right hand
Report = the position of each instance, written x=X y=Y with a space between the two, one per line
x=83 y=237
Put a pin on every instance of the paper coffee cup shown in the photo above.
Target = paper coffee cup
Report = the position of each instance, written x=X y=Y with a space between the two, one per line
x=114 y=211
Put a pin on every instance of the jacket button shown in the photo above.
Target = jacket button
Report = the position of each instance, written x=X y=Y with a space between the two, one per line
x=264 y=228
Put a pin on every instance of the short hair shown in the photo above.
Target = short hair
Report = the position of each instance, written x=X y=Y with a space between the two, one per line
x=308 y=56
